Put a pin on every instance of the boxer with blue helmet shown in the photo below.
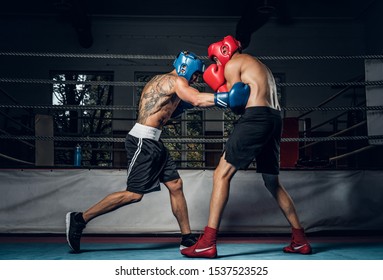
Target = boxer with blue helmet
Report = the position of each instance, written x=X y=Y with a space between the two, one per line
x=187 y=63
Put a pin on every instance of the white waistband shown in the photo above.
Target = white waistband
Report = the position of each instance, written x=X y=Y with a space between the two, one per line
x=144 y=131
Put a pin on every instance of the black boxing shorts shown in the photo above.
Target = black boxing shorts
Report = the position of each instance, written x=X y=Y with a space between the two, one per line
x=256 y=135
x=149 y=161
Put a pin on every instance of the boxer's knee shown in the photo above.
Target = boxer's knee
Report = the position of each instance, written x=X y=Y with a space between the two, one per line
x=271 y=182
x=131 y=197
x=224 y=171
x=175 y=186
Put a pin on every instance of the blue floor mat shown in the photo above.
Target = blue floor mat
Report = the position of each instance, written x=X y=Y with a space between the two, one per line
x=170 y=251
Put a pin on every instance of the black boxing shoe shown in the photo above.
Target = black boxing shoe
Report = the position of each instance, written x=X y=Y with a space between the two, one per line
x=74 y=229
x=187 y=241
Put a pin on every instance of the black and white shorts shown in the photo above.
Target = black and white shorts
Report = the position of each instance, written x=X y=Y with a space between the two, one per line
x=257 y=135
x=149 y=161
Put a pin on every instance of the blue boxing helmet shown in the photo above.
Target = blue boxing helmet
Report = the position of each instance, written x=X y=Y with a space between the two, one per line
x=187 y=63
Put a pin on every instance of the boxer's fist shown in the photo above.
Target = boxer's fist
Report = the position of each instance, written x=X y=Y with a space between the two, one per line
x=222 y=88
x=235 y=99
x=214 y=76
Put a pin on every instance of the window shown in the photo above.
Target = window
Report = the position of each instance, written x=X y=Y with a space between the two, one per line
x=80 y=122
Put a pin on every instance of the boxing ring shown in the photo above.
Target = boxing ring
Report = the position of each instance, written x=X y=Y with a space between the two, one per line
x=338 y=196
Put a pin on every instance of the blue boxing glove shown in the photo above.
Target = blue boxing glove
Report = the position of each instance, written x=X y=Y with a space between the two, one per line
x=181 y=107
x=235 y=99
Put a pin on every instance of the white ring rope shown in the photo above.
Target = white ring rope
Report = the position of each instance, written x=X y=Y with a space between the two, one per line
x=15 y=159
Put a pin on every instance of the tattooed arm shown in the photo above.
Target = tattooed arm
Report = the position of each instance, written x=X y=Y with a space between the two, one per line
x=193 y=96
x=161 y=96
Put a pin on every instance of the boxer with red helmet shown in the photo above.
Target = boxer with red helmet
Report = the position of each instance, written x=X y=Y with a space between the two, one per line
x=256 y=136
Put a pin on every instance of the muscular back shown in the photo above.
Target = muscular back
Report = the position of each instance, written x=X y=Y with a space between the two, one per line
x=158 y=100
x=249 y=70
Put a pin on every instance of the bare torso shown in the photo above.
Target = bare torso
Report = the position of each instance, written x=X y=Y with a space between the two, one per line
x=158 y=101
x=249 y=70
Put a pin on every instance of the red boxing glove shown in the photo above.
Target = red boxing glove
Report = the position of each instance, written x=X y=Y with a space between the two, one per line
x=214 y=76
x=222 y=88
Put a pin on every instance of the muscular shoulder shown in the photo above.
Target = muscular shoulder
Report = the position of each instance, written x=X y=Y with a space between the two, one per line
x=235 y=67
x=238 y=61
x=164 y=83
x=245 y=68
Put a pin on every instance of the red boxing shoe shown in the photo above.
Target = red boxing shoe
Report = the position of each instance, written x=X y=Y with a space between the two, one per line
x=304 y=249
x=205 y=247
x=198 y=251
x=299 y=243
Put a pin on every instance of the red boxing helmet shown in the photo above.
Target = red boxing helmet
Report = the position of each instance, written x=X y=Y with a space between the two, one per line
x=215 y=49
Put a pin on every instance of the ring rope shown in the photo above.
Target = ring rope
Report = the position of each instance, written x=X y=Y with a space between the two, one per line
x=132 y=84
x=24 y=142
x=89 y=55
x=129 y=108
x=171 y=57
x=15 y=159
x=92 y=83
x=183 y=140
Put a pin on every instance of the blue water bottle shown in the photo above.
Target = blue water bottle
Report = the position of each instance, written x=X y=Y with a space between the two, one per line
x=77 y=155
